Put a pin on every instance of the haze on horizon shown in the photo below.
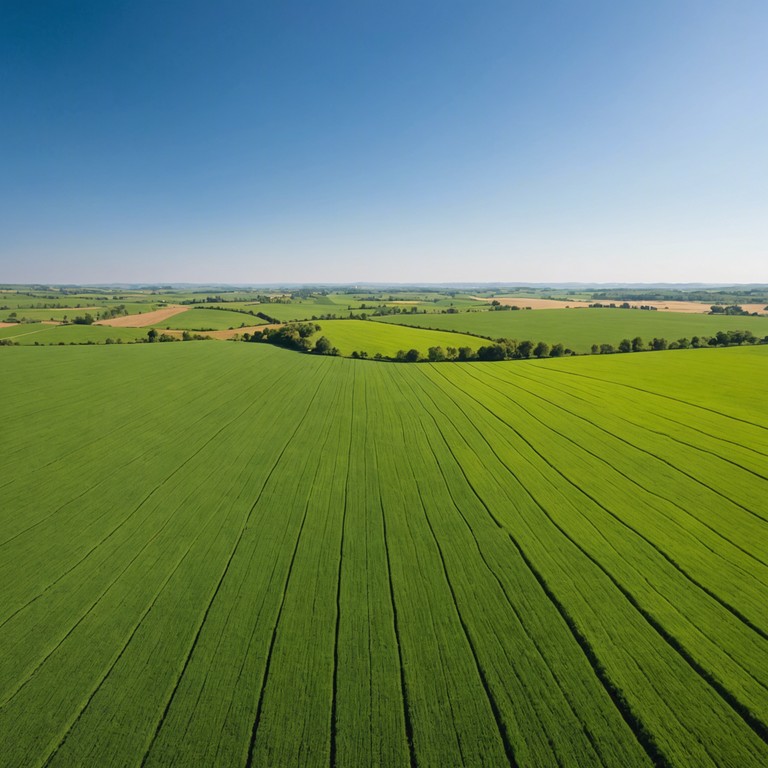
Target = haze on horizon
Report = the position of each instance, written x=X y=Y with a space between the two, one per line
x=384 y=142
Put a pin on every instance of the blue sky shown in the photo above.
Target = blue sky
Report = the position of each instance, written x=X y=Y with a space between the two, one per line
x=383 y=141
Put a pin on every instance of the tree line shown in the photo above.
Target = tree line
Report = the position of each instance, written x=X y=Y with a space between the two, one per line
x=298 y=336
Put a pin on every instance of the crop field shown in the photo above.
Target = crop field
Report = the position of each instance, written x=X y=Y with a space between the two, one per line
x=31 y=333
x=70 y=310
x=342 y=304
x=373 y=338
x=302 y=310
x=208 y=320
x=232 y=554
x=580 y=328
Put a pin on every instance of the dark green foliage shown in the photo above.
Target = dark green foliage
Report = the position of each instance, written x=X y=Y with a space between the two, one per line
x=732 y=309
x=291 y=336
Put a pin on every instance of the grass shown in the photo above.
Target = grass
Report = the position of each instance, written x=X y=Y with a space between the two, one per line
x=580 y=328
x=362 y=335
x=234 y=554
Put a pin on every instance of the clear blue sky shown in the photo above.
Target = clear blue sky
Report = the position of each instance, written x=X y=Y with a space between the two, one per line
x=383 y=141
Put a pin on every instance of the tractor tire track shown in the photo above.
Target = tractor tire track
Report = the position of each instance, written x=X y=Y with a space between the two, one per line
x=581 y=447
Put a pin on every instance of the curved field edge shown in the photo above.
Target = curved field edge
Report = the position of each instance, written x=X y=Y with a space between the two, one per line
x=376 y=338
x=579 y=329
x=234 y=554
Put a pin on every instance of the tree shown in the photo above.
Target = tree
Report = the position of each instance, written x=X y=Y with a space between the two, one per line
x=491 y=352
x=557 y=350
x=510 y=347
x=541 y=349
x=323 y=346
x=524 y=348
x=595 y=349
x=637 y=344
x=465 y=353
x=606 y=349
x=152 y=335
x=412 y=356
x=436 y=354
x=625 y=345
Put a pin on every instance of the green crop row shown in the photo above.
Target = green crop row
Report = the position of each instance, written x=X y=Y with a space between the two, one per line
x=230 y=554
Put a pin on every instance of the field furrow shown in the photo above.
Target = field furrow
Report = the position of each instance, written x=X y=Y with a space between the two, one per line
x=232 y=554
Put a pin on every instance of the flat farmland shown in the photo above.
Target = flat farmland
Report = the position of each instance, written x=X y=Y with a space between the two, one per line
x=302 y=310
x=362 y=335
x=208 y=320
x=579 y=329
x=42 y=333
x=232 y=554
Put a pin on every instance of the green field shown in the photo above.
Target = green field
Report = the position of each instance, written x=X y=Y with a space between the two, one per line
x=232 y=554
x=303 y=310
x=362 y=335
x=32 y=333
x=580 y=328
x=341 y=305
x=208 y=320
x=70 y=312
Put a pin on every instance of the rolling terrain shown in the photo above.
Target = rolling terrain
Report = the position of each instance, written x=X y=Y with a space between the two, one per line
x=233 y=554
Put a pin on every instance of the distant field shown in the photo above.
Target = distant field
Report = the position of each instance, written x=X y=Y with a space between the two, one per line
x=580 y=328
x=690 y=307
x=30 y=334
x=341 y=305
x=364 y=335
x=144 y=319
x=208 y=320
x=231 y=554
x=51 y=314
x=298 y=311
x=71 y=310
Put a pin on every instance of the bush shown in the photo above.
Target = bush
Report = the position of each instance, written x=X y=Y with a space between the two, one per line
x=436 y=354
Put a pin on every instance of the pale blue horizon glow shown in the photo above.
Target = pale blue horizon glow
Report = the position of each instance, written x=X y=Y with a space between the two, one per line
x=384 y=142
